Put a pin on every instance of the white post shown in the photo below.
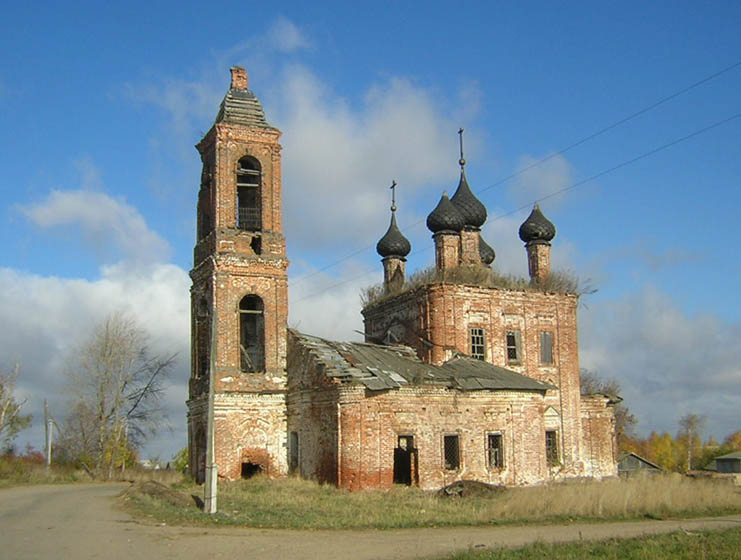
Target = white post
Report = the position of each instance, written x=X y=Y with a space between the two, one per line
x=48 y=428
x=212 y=470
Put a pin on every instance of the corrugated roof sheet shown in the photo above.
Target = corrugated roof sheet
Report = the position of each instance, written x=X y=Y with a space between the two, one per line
x=389 y=367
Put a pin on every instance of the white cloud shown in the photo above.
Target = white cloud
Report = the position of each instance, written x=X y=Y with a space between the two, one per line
x=340 y=160
x=538 y=180
x=328 y=305
x=285 y=36
x=51 y=316
x=668 y=362
x=112 y=227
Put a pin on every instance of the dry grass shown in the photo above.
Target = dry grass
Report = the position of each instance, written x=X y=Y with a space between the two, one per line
x=17 y=471
x=297 y=503
x=560 y=282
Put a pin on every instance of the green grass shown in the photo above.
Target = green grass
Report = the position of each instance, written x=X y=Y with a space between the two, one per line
x=301 y=504
x=723 y=544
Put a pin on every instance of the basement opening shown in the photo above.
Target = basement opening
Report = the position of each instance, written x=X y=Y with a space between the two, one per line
x=250 y=469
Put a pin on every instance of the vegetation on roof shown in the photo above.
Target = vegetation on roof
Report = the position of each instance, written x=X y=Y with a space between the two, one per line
x=559 y=282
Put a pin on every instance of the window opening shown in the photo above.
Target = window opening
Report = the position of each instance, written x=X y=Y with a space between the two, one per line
x=451 y=451
x=293 y=447
x=514 y=354
x=478 y=343
x=250 y=469
x=546 y=347
x=495 y=450
x=249 y=211
x=551 y=447
x=252 y=334
x=405 y=461
x=256 y=245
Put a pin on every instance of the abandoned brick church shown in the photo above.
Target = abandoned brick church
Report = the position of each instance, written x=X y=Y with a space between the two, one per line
x=462 y=375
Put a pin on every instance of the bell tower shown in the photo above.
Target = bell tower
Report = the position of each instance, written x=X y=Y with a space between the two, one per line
x=239 y=296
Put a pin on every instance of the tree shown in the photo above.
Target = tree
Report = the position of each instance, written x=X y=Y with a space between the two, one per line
x=117 y=387
x=690 y=429
x=733 y=441
x=11 y=419
x=591 y=384
x=180 y=460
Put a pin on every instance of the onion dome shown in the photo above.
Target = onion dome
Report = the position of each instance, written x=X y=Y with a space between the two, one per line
x=445 y=216
x=486 y=252
x=473 y=211
x=393 y=243
x=537 y=228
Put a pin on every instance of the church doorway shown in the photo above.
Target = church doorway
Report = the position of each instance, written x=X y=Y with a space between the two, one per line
x=405 y=461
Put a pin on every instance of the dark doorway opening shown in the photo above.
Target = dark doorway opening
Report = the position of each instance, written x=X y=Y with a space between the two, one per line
x=405 y=461
x=250 y=469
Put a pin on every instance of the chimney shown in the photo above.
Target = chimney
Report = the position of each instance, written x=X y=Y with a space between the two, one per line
x=239 y=77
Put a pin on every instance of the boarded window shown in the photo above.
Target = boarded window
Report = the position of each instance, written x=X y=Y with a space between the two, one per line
x=514 y=350
x=546 y=347
x=478 y=343
x=252 y=334
x=249 y=195
x=551 y=447
x=293 y=451
x=495 y=450
x=451 y=452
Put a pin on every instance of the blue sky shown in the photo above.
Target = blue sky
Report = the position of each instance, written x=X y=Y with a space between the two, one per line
x=100 y=107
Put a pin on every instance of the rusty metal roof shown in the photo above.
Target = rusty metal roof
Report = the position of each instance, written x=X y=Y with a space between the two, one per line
x=390 y=367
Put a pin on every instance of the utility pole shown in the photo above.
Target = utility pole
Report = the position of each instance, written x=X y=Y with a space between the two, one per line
x=48 y=429
x=212 y=470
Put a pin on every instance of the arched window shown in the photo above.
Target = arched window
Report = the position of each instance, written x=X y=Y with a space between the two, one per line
x=252 y=334
x=249 y=182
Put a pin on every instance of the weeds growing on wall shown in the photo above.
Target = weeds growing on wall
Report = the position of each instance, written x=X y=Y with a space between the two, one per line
x=559 y=282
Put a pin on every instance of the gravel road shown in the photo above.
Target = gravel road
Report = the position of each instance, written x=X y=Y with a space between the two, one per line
x=80 y=522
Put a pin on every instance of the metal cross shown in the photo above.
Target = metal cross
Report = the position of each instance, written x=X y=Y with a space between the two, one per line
x=393 y=196
x=461 y=161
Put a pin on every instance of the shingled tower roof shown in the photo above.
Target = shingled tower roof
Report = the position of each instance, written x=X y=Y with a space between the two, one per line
x=240 y=105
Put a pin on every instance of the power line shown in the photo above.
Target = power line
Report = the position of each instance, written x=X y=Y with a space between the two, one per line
x=579 y=142
x=602 y=173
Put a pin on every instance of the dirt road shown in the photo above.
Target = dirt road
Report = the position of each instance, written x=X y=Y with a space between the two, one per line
x=80 y=522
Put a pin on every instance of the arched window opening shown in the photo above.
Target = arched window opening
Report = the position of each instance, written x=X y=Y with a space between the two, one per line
x=252 y=334
x=249 y=181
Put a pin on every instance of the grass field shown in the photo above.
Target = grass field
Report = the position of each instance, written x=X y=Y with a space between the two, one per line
x=714 y=545
x=302 y=504
x=17 y=471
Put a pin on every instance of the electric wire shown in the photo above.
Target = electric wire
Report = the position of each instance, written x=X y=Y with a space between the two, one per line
x=580 y=183
x=579 y=142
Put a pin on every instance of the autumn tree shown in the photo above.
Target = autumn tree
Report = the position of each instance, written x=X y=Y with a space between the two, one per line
x=117 y=386
x=690 y=430
x=625 y=421
x=11 y=419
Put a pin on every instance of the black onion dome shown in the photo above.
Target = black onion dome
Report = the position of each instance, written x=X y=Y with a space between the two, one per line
x=486 y=252
x=393 y=243
x=445 y=217
x=474 y=212
x=537 y=227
